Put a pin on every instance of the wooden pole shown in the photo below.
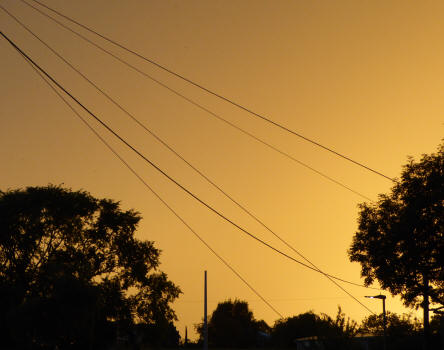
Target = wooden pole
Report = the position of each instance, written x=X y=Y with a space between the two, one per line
x=205 y=344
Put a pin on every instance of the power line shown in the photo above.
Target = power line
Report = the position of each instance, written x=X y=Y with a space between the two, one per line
x=189 y=164
x=173 y=151
x=217 y=116
x=152 y=190
x=164 y=173
x=177 y=154
x=238 y=105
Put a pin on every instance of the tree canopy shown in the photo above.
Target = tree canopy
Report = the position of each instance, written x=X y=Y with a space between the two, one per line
x=286 y=330
x=72 y=272
x=398 y=326
x=334 y=331
x=233 y=325
x=399 y=241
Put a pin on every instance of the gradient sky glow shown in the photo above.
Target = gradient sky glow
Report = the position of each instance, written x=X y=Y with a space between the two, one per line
x=363 y=77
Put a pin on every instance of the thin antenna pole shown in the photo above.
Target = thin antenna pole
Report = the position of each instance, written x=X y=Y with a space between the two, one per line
x=205 y=343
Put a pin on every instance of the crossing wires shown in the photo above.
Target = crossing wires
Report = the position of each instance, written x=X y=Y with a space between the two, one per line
x=212 y=92
x=160 y=140
x=196 y=104
x=143 y=157
x=139 y=177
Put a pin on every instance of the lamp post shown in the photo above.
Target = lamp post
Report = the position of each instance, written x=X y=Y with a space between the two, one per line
x=384 y=319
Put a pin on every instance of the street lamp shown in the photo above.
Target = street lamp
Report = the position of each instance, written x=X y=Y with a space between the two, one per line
x=384 y=319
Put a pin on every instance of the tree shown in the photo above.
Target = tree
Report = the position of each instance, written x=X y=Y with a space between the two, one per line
x=398 y=326
x=232 y=325
x=403 y=331
x=400 y=242
x=333 y=333
x=341 y=327
x=71 y=271
x=287 y=330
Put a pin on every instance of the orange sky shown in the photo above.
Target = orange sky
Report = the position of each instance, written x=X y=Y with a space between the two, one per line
x=363 y=77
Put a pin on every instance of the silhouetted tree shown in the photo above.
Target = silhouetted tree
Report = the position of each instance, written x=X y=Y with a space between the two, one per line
x=72 y=274
x=397 y=326
x=403 y=331
x=160 y=335
x=286 y=330
x=232 y=325
x=340 y=327
x=400 y=242
x=334 y=333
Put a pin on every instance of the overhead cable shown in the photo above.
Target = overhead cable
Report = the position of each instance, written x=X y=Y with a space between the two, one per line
x=196 y=104
x=151 y=189
x=180 y=156
x=230 y=101
x=222 y=216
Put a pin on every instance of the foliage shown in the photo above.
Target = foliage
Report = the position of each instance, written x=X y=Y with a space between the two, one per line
x=154 y=335
x=397 y=326
x=399 y=241
x=72 y=272
x=232 y=325
x=286 y=330
x=437 y=324
x=333 y=332
x=341 y=327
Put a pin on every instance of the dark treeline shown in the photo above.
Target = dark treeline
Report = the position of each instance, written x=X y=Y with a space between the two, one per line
x=232 y=325
x=73 y=276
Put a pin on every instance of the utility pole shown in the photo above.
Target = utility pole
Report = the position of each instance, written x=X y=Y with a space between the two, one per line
x=205 y=343
x=384 y=317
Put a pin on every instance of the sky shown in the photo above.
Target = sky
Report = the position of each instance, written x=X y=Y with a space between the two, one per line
x=364 y=78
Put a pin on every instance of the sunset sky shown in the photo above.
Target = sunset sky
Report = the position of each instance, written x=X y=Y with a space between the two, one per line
x=365 y=78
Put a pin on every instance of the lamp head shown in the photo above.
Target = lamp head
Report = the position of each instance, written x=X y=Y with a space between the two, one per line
x=380 y=296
